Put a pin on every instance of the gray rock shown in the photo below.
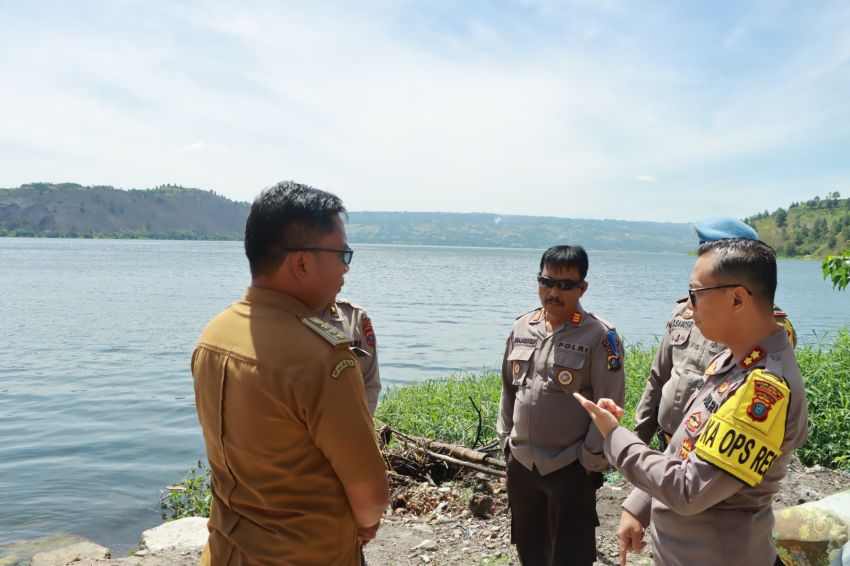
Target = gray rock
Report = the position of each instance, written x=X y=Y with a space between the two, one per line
x=426 y=544
x=72 y=553
x=189 y=533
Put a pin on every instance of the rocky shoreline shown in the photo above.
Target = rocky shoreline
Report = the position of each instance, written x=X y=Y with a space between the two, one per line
x=463 y=522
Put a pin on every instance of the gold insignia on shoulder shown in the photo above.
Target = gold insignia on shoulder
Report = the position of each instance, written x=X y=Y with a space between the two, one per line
x=340 y=367
x=751 y=359
x=336 y=338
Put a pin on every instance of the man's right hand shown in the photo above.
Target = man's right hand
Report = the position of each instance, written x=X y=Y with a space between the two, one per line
x=365 y=534
x=629 y=535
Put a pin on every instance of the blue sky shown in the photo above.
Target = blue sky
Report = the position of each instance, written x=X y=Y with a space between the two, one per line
x=597 y=109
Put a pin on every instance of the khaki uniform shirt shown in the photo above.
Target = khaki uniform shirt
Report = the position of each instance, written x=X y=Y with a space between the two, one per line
x=353 y=321
x=539 y=419
x=679 y=363
x=700 y=513
x=286 y=427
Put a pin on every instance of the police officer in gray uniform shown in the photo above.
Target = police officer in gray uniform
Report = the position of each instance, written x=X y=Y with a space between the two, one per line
x=353 y=321
x=684 y=352
x=708 y=496
x=554 y=456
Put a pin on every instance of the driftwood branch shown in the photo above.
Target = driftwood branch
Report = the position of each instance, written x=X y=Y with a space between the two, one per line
x=451 y=453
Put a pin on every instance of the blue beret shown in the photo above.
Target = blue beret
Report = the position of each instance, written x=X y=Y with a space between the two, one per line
x=710 y=229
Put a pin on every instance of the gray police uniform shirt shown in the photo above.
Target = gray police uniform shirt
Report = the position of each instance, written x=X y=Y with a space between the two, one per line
x=539 y=419
x=353 y=320
x=701 y=512
x=679 y=363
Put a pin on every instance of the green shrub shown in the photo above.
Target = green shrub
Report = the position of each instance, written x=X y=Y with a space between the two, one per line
x=190 y=497
x=826 y=373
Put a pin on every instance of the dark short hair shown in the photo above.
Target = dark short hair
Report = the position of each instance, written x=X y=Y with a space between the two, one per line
x=565 y=257
x=287 y=215
x=751 y=263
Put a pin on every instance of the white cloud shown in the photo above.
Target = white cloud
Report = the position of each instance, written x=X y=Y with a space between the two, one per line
x=646 y=178
x=201 y=146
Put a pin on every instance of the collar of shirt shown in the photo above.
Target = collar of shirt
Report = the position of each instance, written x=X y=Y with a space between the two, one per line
x=289 y=303
x=331 y=313
x=724 y=361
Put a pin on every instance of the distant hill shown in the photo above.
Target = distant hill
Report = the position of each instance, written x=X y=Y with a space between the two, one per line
x=172 y=212
x=167 y=212
x=497 y=230
x=817 y=228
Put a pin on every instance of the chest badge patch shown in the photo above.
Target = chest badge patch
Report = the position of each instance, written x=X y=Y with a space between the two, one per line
x=565 y=377
x=693 y=422
x=724 y=387
x=340 y=367
x=753 y=357
x=517 y=368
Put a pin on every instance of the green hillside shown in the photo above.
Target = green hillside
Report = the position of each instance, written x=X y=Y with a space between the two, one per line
x=68 y=210
x=815 y=228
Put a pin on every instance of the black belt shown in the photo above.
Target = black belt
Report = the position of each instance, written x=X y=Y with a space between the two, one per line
x=663 y=439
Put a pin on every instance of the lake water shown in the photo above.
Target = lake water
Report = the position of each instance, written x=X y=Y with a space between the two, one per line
x=96 y=401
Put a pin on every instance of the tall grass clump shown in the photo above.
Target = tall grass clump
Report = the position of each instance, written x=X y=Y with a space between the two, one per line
x=442 y=409
x=638 y=362
x=826 y=374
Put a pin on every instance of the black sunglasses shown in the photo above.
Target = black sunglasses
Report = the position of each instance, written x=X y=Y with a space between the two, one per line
x=692 y=293
x=562 y=284
x=345 y=255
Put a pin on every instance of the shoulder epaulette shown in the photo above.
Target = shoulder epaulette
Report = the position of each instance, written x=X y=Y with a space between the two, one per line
x=528 y=313
x=337 y=338
x=605 y=323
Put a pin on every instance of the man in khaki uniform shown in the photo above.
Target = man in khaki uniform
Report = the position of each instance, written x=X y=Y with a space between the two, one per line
x=684 y=352
x=351 y=319
x=553 y=454
x=297 y=476
x=708 y=496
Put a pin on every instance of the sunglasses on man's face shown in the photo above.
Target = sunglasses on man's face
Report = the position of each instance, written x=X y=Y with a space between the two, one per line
x=344 y=255
x=692 y=293
x=562 y=284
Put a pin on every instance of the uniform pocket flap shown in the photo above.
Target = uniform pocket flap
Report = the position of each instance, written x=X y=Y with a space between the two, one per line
x=521 y=354
x=679 y=336
x=570 y=360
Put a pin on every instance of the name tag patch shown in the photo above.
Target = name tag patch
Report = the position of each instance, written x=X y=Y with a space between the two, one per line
x=341 y=366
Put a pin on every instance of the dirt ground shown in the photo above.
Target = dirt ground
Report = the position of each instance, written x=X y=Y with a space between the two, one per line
x=434 y=525
x=466 y=522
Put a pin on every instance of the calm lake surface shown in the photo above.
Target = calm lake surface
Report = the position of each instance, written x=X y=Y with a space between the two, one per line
x=96 y=400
